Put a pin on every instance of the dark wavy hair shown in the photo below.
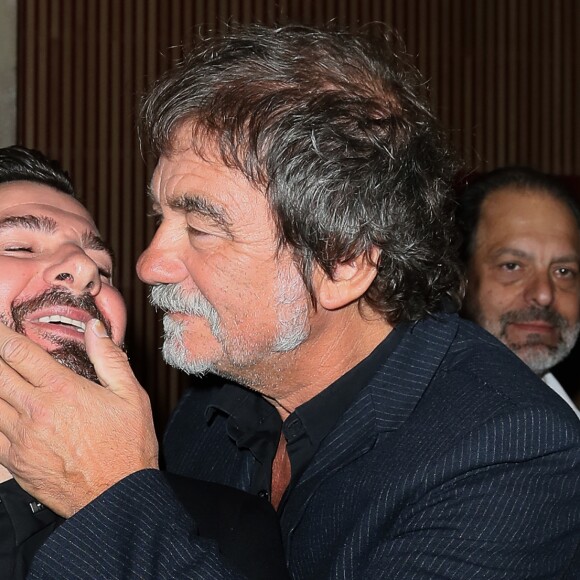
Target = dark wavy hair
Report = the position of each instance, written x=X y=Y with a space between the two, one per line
x=336 y=130
x=525 y=179
x=18 y=163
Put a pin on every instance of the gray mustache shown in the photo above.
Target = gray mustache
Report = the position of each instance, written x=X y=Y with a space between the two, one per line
x=534 y=313
x=171 y=298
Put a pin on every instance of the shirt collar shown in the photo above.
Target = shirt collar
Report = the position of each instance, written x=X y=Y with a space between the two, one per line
x=319 y=415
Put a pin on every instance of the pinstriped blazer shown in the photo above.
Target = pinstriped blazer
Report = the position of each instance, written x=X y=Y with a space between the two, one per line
x=454 y=462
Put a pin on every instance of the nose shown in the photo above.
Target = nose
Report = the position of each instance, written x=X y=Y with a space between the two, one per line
x=75 y=271
x=160 y=263
x=540 y=289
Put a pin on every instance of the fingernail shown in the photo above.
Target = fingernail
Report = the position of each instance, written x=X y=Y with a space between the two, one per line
x=98 y=328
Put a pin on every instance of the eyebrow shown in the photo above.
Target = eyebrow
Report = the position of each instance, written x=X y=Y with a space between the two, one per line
x=29 y=222
x=191 y=203
x=512 y=251
x=47 y=225
x=92 y=241
x=521 y=254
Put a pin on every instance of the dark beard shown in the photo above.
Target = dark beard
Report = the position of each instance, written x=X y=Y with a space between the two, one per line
x=73 y=356
x=69 y=353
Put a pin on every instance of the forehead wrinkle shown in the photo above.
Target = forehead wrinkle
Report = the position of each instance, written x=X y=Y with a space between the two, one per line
x=43 y=224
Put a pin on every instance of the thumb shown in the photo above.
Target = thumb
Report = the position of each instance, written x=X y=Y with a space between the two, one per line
x=110 y=362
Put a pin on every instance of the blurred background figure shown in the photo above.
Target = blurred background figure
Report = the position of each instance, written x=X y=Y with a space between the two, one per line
x=521 y=249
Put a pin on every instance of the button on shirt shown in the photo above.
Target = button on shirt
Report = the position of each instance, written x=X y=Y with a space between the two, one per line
x=24 y=526
x=254 y=424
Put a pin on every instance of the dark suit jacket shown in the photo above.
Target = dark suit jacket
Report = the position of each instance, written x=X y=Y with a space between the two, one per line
x=245 y=527
x=454 y=462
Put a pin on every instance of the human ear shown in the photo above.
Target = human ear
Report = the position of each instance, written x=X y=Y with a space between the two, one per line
x=349 y=283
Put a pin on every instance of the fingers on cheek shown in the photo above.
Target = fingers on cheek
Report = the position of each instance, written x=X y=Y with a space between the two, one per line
x=115 y=361
x=26 y=359
x=14 y=351
x=22 y=361
x=10 y=381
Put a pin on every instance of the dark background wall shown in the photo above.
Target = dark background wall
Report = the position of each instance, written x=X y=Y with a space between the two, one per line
x=503 y=75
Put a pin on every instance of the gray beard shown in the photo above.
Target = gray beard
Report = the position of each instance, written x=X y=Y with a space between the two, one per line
x=293 y=330
x=537 y=355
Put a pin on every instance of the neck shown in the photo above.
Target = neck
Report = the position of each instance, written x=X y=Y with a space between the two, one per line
x=338 y=342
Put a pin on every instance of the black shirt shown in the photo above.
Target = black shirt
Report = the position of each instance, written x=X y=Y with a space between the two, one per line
x=24 y=526
x=254 y=424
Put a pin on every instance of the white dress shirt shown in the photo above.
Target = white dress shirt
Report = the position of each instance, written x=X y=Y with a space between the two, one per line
x=553 y=383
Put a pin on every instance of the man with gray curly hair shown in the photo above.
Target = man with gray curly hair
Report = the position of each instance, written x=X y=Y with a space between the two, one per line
x=305 y=254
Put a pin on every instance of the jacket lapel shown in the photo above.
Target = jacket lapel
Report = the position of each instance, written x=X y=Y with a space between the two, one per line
x=383 y=405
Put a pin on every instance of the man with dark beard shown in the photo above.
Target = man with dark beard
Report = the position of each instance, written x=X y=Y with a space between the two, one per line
x=521 y=248
x=69 y=352
x=56 y=275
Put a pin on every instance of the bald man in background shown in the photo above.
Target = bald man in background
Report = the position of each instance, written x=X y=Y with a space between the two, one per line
x=521 y=249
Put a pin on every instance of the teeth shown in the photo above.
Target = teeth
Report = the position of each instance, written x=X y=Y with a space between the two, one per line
x=79 y=326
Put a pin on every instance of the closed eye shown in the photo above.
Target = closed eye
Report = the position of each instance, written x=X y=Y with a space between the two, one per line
x=18 y=249
x=105 y=273
x=195 y=232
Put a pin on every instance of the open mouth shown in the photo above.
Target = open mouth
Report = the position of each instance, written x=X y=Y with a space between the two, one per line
x=77 y=325
x=55 y=317
x=56 y=323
